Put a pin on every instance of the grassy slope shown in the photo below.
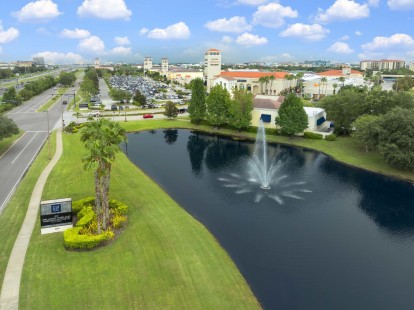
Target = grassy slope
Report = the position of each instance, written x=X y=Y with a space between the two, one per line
x=163 y=260
x=6 y=143
x=12 y=217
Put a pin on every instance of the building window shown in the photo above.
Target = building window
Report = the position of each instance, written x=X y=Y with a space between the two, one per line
x=266 y=118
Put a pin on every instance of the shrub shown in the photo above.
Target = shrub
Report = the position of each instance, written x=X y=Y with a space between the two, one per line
x=80 y=204
x=84 y=210
x=74 y=240
x=118 y=206
x=118 y=220
x=312 y=135
x=331 y=137
x=86 y=219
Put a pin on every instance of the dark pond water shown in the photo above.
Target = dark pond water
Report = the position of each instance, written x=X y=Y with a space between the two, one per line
x=328 y=237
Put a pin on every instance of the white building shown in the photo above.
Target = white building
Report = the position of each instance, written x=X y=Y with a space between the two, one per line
x=382 y=64
x=412 y=66
x=212 y=66
x=147 y=63
x=164 y=66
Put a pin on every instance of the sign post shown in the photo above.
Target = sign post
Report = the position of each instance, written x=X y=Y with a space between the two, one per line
x=55 y=215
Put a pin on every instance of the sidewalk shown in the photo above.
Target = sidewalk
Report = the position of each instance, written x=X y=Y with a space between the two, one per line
x=9 y=298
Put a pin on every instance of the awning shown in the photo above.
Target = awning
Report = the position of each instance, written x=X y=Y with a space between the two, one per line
x=266 y=118
x=320 y=121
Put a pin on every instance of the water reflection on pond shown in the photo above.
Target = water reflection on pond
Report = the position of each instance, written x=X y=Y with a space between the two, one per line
x=346 y=241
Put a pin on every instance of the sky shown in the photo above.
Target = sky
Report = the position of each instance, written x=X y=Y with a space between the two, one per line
x=77 y=31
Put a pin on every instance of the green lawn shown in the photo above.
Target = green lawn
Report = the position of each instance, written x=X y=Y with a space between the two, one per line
x=12 y=217
x=164 y=259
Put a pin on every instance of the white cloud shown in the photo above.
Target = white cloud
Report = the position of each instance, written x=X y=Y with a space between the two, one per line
x=176 y=31
x=306 y=32
x=60 y=58
x=121 y=51
x=108 y=9
x=252 y=2
x=38 y=11
x=92 y=45
x=226 y=40
x=397 y=41
x=358 y=33
x=273 y=15
x=143 y=31
x=75 y=34
x=248 y=39
x=344 y=38
x=233 y=24
x=8 y=35
x=401 y=4
x=373 y=3
x=340 y=48
x=343 y=10
x=122 y=41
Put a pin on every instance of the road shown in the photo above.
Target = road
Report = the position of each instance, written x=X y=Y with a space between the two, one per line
x=18 y=158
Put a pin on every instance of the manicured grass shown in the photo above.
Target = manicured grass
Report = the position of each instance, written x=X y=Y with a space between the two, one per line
x=7 y=142
x=164 y=259
x=12 y=217
x=50 y=102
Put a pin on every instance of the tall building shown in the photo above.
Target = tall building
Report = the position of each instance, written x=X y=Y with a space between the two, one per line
x=147 y=63
x=97 y=63
x=212 y=66
x=164 y=65
x=318 y=63
x=381 y=64
x=38 y=61
x=412 y=66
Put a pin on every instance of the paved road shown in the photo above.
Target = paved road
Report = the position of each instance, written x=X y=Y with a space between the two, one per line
x=16 y=160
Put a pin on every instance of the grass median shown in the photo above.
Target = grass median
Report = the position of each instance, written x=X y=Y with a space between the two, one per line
x=164 y=259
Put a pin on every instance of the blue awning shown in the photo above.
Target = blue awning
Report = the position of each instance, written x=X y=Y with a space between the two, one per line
x=266 y=118
x=320 y=121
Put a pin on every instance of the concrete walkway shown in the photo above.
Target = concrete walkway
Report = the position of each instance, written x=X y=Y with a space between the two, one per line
x=9 y=298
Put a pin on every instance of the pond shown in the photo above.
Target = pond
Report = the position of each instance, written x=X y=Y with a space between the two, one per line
x=326 y=236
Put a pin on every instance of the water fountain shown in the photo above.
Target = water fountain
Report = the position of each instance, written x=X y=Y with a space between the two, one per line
x=264 y=175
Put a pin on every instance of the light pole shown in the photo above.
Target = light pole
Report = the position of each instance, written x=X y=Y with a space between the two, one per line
x=48 y=133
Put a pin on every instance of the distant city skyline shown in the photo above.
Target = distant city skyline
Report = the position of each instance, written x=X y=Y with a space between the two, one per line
x=70 y=31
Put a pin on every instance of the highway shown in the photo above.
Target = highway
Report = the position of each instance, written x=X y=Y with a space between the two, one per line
x=18 y=158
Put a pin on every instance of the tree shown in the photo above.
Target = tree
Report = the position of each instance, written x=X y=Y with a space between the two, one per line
x=171 y=110
x=101 y=138
x=77 y=115
x=10 y=96
x=366 y=131
x=7 y=127
x=403 y=84
x=342 y=80
x=218 y=105
x=396 y=138
x=292 y=117
x=324 y=82
x=262 y=80
x=139 y=99
x=335 y=85
x=241 y=109
x=67 y=78
x=197 y=105
x=271 y=79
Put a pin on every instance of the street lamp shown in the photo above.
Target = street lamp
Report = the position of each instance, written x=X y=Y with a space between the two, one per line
x=48 y=133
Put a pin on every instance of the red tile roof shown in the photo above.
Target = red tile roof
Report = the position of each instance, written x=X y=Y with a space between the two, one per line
x=253 y=74
x=213 y=50
x=338 y=73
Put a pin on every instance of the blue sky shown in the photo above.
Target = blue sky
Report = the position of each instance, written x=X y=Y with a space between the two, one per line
x=77 y=31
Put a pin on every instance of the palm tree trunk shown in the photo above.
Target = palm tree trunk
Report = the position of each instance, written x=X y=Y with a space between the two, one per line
x=98 y=207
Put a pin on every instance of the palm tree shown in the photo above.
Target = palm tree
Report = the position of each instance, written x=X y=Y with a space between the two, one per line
x=290 y=78
x=101 y=138
x=271 y=79
x=342 y=80
x=262 y=80
x=299 y=83
x=335 y=85
x=324 y=82
x=77 y=114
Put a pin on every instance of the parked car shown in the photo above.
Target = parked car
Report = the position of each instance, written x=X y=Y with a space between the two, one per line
x=64 y=102
x=114 y=107
x=148 y=116
x=94 y=113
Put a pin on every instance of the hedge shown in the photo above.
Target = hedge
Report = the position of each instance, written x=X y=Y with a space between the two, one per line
x=312 y=135
x=79 y=204
x=331 y=137
x=74 y=240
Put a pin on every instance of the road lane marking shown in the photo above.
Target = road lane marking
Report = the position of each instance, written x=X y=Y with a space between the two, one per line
x=24 y=147
x=20 y=178
x=13 y=144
